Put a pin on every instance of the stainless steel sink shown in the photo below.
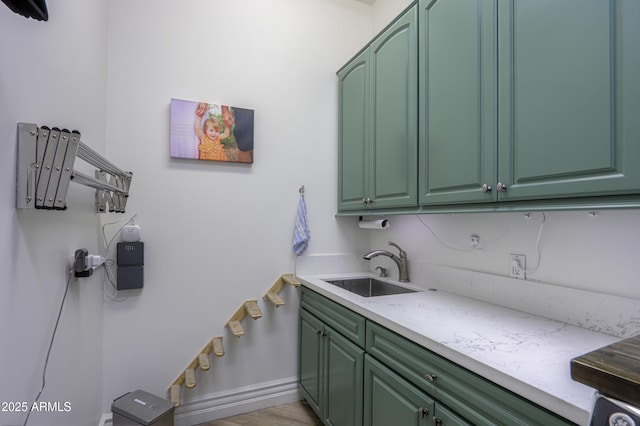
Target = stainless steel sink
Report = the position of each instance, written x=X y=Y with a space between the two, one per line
x=369 y=287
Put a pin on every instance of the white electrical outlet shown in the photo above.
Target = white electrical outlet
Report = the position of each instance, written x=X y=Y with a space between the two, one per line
x=518 y=266
x=474 y=240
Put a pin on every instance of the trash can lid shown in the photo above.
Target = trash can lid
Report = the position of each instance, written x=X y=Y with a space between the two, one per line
x=142 y=407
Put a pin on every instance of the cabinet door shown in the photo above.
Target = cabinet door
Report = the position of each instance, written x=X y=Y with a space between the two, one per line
x=394 y=139
x=310 y=361
x=569 y=98
x=353 y=129
x=344 y=378
x=391 y=400
x=458 y=100
x=445 y=417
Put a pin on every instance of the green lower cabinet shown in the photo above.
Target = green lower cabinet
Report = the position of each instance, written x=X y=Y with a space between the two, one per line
x=331 y=372
x=392 y=400
x=310 y=358
x=445 y=417
x=344 y=376
x=471 y=396
x=366 y=374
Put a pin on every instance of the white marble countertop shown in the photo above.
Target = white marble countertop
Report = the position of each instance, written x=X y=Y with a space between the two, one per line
x=527 y=354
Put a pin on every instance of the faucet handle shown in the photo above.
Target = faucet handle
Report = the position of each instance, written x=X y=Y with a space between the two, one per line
x=403 y=254
x=383 y=271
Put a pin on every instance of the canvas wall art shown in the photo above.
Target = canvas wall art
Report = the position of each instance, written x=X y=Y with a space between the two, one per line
x=212 y=132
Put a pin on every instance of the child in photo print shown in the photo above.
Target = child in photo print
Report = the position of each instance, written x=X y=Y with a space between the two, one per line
x=213 y=132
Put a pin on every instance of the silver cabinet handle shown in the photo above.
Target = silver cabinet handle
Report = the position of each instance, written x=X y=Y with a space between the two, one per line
x=501 y=187
x=486 y=188
x=430 y=377
x=423 y=412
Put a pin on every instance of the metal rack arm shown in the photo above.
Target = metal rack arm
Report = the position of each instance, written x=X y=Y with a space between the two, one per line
x=86 y=180
x=46 y=158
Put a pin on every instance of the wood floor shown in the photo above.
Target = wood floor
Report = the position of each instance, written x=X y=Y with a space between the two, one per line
x=295 y=413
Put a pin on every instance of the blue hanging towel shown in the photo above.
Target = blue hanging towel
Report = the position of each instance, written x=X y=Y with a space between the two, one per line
x=301 y=235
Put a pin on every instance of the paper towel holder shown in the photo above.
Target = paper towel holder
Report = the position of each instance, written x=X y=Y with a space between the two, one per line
x=373 y=224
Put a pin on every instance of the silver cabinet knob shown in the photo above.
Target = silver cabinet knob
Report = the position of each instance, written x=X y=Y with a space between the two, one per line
x=486 y=188
x=430 y=377
x=501 y=187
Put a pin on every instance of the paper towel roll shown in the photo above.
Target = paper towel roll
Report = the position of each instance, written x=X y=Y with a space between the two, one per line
x=374 y=224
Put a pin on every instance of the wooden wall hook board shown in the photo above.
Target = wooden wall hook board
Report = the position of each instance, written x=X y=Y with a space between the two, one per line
x=218 y=349
x=272 y=294
x=174 y=395
x=190 y=378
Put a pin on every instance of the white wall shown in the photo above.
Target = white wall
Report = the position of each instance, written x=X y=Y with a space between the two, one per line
x=217 y=234
x=579 y=250
x=384 y=11
x=52 y=73
x=585 y=273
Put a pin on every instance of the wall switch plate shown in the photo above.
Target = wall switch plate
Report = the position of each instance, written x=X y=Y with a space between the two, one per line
x=518 y=266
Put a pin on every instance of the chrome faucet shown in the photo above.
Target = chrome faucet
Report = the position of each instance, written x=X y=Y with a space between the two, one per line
x=401 y=261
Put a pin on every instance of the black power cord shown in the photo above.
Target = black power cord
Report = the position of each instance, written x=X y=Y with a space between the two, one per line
x=53 y=336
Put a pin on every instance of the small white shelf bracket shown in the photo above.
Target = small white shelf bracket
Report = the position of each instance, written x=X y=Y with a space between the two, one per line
x=46 y=157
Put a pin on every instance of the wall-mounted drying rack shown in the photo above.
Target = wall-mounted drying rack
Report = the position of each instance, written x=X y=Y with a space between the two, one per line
x=46 y=157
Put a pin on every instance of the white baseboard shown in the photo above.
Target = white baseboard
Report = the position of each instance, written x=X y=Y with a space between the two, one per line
x=220 y=405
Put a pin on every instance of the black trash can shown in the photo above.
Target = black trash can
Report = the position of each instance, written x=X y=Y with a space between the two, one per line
x=142 y=408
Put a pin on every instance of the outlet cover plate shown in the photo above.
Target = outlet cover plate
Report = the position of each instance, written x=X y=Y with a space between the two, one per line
x=518 y=266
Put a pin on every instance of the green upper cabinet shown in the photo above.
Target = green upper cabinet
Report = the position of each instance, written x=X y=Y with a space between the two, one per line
x=460 y=104
x=528 y=99
x=569 y=84
x=458 y=100
x=377 y=123
x=353 y=102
